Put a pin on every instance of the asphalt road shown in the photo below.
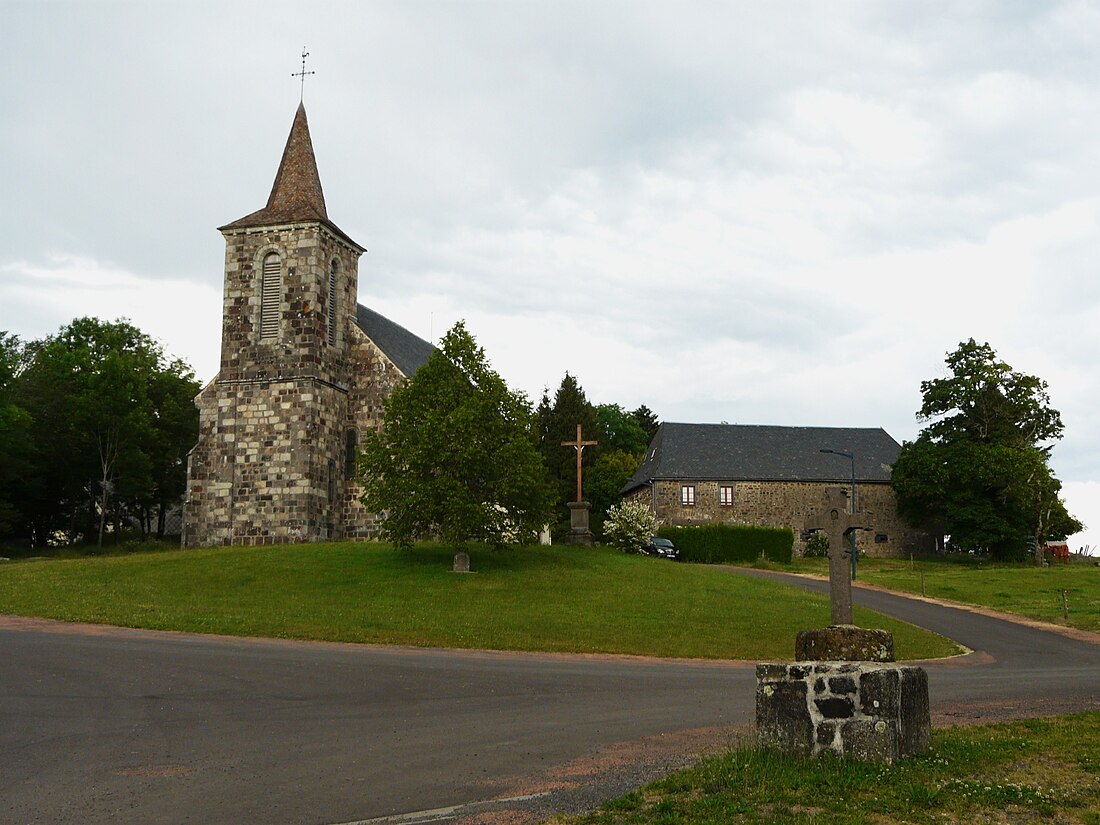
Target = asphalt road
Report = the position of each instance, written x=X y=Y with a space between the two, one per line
x=111 y=725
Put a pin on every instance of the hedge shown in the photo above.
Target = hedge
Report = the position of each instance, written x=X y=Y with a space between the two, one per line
x=730 y=544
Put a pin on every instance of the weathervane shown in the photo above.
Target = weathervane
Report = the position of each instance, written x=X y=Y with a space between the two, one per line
x=302 y=74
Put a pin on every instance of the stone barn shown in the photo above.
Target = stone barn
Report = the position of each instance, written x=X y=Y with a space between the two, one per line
x=304 y=371
x=765 y=475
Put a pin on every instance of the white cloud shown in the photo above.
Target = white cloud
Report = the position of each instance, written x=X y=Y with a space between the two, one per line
x=40 y=298
x=754 y=213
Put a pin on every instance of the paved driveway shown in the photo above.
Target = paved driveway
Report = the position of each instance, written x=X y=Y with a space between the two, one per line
x=126 y=726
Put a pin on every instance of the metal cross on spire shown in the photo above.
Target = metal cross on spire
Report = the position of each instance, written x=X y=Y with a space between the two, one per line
x=302 y=74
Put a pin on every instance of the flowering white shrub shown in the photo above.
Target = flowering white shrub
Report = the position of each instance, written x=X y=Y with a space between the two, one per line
x=629 y=525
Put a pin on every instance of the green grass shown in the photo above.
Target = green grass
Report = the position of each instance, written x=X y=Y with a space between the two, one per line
x=1027 y=590
x=533 y=598
x=1039 y=770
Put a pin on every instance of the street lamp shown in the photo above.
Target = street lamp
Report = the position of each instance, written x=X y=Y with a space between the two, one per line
x=851 y=457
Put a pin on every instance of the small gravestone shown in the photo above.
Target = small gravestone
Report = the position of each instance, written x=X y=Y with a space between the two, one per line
x=844 y=694
x=462 y=562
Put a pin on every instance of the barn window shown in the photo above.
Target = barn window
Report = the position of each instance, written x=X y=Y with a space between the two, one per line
x=332 y=303
x=271 y=296
x=687 y=495
x=725 y=495
x=881 y=538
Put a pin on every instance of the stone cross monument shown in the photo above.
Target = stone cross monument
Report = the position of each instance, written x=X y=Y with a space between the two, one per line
x=837 y=524
x=844 y=694
x=578 y=510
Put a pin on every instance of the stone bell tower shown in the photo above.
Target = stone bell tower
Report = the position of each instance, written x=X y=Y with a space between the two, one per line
x=269 y=464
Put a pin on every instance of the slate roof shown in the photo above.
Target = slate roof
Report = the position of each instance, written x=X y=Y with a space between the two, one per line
x=738 y=452
x=296 y=195
x=407 y=351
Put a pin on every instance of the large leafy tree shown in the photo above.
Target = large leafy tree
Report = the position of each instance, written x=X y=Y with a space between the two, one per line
x=557 y=422
x=979 y=470
x=622 y=441
x=456 y=457
x=16 y=445
x=621 y=430
x=108 y=410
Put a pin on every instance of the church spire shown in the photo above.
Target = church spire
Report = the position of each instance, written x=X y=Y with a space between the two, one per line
x=296 y=195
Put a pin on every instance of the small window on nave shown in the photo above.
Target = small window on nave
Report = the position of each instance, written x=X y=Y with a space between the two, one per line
x=351 y=454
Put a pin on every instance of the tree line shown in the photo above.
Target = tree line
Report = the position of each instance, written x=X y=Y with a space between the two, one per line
x=95 y=425
x=463 y=458
x=96 y=422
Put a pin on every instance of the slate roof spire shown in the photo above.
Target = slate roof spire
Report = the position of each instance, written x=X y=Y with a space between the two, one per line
x=296 y=194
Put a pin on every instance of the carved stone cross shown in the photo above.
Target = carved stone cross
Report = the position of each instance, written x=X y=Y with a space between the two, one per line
x=837 y=523
x=580 y=445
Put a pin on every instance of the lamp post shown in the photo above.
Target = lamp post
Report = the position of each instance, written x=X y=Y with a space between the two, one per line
x=851 y=457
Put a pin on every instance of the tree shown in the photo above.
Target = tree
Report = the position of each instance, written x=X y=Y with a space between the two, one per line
x=557 y=422
x=620 y=430
x=609 y=474
x=174 y=430
x=456 y=456
x=96 y=393
x=16 y=446
x=979 y=470
x=647 y=420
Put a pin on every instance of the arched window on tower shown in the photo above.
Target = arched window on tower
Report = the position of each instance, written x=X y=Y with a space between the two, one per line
x=271 y=295
x=332 y=303
x=351 y=454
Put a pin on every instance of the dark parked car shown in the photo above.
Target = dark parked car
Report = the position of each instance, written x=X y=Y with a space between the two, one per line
x=661 y=548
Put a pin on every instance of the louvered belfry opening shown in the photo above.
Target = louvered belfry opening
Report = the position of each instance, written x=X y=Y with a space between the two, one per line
x=271 y=296
x=332 y=302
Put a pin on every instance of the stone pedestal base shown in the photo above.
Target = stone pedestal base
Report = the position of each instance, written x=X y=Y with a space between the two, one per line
x=578 y=523
x=844 y=643
x=869 y=711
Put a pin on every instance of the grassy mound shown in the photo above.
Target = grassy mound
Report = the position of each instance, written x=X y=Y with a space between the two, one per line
x=532 y=598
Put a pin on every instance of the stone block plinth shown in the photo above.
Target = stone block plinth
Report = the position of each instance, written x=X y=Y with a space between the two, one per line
x=578 y=523
x=844 y=643
x=871 y=711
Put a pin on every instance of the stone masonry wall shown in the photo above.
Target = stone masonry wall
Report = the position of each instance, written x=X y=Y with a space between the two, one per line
x=785 y=504
x=864 y=710
x=375 y=379
x=306 y=252
x=269 y=464
x=261 y=471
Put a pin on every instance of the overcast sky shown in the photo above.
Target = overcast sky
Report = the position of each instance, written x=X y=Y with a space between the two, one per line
x=761 y=213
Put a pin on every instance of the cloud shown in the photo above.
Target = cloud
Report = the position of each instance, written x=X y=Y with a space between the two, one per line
x=40 y=298
x=765 y=214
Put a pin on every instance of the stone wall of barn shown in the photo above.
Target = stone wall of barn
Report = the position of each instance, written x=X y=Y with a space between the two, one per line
x=784 y=504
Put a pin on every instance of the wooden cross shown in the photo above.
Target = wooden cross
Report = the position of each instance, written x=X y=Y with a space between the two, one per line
x=837 y=524
x=580 y=445
x=302 y=74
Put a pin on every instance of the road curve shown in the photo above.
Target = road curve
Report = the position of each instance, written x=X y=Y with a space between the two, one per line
x=103 y=724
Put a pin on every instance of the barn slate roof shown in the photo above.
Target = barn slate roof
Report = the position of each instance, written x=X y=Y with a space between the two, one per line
x=407 y=351
x=740 y=452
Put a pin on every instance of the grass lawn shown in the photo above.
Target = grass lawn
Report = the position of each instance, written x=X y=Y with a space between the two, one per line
x=1039 y=770
x=536 y=598
x=1014 y=588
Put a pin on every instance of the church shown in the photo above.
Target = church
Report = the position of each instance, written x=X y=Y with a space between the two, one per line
x=304 y=369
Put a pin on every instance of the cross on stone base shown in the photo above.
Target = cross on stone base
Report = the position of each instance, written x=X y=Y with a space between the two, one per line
x=836 y=522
